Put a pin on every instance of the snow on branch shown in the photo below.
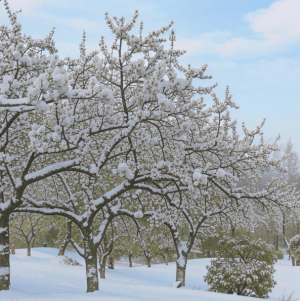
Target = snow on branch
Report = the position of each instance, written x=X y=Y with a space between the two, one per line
x=50 y=170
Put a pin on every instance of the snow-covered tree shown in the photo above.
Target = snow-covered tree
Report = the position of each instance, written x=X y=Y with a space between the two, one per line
x=292 y=164
x=294 y=249
x=31 y=85
x=120 y=132
x=125 y=112
x=28 y=226
x=243 y=267
x=192 y=215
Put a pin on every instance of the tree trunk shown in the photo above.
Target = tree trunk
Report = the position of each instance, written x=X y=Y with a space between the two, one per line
x=32 y=245
x=12 y=249
x=28 y=249
x=148 y=257
x=111 y=263
x=233 y=232
x=149 y=262
x=90 y=256
x=276 y=241
x=67 y=238
x=4 y=252
x=181 y=268
x=293 y=261
x=130 y=260
x=102 y=268
x=166 y=259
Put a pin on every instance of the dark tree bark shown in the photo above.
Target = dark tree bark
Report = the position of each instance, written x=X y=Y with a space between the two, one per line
x=102 y=268
x=181 y=268
x=233 y=231
x=91 y=266
x=208 y=254
x=12 y=249
x=130 y=260
x=149 y=262
x=91 y=273
x=28 y=249
x=182 y=253
x=166 y=259
x=4 y=252
x=148 y=257
x=293 y=261
x=67 y=238
x=276 y=242
x=104 y=251
x=111 y=263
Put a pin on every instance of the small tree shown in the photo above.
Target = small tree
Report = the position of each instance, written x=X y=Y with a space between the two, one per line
x=294 y=249
x=243 y=267
x=28 y=226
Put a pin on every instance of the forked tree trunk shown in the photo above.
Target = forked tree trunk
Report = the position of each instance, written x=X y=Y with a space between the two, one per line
x=104 y=254
x=67 y=238
x=90 y=254
x=4 y=253
x=181 y=268
x=130 y=260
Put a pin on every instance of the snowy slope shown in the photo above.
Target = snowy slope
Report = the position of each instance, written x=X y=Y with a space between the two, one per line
x=42 y=278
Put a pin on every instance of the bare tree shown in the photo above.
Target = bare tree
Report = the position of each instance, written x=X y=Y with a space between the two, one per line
x=28 y=226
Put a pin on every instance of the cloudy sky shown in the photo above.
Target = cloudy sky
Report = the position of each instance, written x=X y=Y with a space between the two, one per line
x=251 y=45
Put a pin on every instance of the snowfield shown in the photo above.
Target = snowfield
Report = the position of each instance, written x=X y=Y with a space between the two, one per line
x=42 y=277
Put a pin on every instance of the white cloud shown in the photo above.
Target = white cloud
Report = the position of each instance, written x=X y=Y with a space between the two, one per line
x=276 y=28
x=238 y=46
x=279 y=24
x=28 y=7
x=32 y=8
x=206 y=43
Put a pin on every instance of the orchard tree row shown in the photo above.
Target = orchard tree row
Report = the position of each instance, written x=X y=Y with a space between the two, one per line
x=125 y=134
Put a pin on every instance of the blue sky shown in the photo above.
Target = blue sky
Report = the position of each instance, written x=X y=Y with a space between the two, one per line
x=251 y=45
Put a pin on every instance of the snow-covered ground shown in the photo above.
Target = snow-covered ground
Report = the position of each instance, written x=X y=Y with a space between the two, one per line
x=43 y=277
